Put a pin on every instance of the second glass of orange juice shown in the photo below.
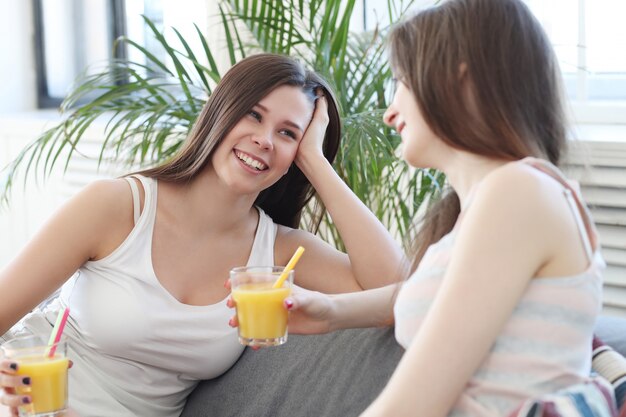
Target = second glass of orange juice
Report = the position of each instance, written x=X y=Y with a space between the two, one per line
x=260 y=312
x=47 y=372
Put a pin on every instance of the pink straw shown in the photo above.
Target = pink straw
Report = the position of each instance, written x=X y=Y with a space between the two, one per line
x=57 y=331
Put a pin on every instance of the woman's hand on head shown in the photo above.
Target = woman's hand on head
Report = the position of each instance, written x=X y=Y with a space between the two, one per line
x=311 y=143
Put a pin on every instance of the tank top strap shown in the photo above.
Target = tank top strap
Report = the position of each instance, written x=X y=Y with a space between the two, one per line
x=136 y=203
x=262 y=252
x=148 y=194
x=571 y=191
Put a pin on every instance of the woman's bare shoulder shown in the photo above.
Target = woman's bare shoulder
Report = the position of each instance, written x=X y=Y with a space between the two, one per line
x=519 y=181
x=106 y=208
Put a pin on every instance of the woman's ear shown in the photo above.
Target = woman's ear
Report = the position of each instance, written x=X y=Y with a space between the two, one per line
x=462 y=71
x=467 y=89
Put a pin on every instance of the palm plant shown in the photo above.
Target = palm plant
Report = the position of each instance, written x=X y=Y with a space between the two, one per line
x=150 y=106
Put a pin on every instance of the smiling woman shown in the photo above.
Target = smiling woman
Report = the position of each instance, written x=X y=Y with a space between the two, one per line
x=154 y=249
x=240 y=97
x=264 y=142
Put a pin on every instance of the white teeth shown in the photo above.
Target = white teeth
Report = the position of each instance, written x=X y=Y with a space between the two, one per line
x=253 y=163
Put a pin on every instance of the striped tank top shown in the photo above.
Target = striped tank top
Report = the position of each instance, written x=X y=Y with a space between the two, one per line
x=544 y=346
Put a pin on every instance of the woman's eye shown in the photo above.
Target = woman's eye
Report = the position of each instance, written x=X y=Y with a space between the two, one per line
x=255 y=114
x=289 y=133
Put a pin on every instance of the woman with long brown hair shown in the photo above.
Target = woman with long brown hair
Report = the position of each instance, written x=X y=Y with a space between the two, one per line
x=148 y=315
x=507 y=278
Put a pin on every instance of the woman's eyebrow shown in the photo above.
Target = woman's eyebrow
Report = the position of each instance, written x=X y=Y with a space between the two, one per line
x=287 y=122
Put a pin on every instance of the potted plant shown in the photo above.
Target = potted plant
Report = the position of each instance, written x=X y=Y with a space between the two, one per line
x=150 y=106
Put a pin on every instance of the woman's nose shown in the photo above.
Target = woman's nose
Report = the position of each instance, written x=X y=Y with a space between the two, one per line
x=390 y=116
x=263 y=140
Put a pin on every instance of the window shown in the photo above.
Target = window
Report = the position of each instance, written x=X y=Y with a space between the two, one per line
x=74 y=37
x=70 y=35
x=589 y=38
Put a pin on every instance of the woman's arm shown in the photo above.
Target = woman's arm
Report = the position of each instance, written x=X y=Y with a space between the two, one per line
x=312 y=312
x=508 y=235
x=87 y=227
x=375 y=258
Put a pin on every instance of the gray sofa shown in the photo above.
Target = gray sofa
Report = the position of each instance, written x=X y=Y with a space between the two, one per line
x=333 y=375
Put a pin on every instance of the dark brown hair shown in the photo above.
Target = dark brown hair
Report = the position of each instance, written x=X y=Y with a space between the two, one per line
x=242 y=87
x=496 y=51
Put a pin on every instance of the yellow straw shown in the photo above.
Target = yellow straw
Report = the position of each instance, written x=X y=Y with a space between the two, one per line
x=292 y=262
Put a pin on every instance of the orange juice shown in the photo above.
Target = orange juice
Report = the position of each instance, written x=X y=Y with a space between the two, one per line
x=48 y=387
x=260 y=311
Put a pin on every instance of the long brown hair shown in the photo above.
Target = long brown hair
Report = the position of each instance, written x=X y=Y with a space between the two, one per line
x=498 y=51
x=242 y=87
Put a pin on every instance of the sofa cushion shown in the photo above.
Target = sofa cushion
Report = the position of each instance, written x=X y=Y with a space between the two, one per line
x=337 y=374
x=612 y=367
x=612 y=331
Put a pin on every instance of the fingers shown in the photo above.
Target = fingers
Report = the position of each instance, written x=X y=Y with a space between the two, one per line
x=298 y=299
x=8 y=366
x=12 y=381
x=294 y=303
x=321 y=111
x=230 y=303
x=13 y=400
x=9 y=381
x=311 y=303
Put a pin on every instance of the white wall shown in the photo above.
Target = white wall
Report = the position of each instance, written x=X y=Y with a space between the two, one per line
x=17 y=95
x=29 y=206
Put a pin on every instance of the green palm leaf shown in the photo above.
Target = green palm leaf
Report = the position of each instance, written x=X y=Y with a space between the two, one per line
x=150 y=106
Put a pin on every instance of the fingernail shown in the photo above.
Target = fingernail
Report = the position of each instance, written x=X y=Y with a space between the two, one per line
x=288 y=304
x=26 y=380
x=13 y=366
x=25 y=400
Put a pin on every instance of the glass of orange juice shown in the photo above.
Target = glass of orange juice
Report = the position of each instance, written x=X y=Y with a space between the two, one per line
x=47 y=371
x=260 y=312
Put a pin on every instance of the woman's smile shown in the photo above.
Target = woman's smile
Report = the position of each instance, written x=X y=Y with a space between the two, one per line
x=250 y=162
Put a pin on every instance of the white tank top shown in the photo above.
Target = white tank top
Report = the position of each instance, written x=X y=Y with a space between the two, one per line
x=136 y=349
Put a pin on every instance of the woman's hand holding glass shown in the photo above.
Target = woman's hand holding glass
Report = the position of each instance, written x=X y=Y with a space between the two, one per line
x=9 y=382
x=310 y=312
